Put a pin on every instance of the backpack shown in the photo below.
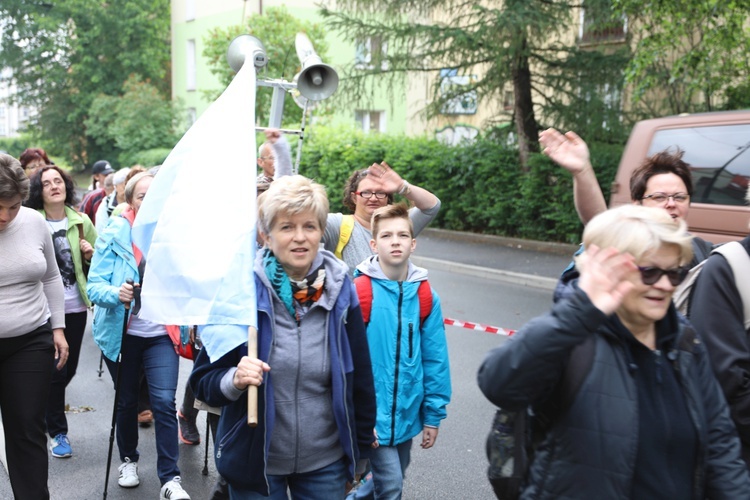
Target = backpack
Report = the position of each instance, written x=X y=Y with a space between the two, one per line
x=738 y=260
x=364 y=290
x=345 y=233
x=510 y=461
x=84 y=265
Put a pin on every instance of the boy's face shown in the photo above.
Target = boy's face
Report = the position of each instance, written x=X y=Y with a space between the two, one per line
x=394 y=243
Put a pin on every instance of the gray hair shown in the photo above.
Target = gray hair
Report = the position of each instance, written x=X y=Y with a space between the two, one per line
x=638 y=230
x=292 y=194
x=13 y=180
x=130 y=186
x=120 y=176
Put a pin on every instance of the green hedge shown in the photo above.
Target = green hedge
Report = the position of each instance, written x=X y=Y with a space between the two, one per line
x=481 y=185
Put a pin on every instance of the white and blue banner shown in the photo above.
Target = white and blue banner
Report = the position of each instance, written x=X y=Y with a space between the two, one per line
x=196 y=226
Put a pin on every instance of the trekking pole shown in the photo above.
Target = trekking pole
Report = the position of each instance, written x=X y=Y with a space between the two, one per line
x=208 y=435
x=101 y=362
x=117 y=392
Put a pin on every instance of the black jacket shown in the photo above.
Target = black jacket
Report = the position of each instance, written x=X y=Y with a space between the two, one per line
x=590 y=450
x=716 y=312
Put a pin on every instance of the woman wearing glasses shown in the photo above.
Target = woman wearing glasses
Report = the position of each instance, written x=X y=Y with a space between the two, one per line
x=348 y=237
x=649 y=419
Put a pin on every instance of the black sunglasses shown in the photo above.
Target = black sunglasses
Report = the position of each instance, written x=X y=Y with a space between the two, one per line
x=650 y=275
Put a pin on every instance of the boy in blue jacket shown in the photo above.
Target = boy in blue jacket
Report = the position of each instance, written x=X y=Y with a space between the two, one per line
x=409 y=354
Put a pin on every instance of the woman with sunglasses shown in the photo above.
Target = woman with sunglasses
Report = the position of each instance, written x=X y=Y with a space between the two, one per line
x=367 y=190
x=649 y=419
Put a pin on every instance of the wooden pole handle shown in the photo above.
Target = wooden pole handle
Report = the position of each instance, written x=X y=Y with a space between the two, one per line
x=252 y=390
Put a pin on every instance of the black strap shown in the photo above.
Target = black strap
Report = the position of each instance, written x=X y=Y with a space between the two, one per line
x=579 y=365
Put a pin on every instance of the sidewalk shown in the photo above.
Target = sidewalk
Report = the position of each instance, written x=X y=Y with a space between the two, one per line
x=523 y=262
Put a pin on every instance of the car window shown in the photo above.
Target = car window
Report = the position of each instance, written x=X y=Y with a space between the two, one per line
x=719 y=157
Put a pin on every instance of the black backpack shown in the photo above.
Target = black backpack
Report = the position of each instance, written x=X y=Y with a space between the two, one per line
x=510 y=461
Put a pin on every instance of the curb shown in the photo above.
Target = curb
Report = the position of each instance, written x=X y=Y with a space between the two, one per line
x=487 y=273
x=537 y=246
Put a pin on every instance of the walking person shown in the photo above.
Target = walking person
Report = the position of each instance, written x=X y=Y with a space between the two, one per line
x=316 y=401
x=31 y=332
x=144 y=344
x=649 y=419
x=73 y=236
x=366 y=190
x=408 y=349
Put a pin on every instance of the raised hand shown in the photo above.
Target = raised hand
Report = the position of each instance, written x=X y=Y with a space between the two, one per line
x=604 y=276
x=389 y=180
x=569 y=150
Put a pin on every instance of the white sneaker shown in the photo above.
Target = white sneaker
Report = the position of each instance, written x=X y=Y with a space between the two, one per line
x=128 y=474
x=172 y=490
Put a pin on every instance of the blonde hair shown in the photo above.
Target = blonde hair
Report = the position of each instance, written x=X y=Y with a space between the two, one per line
x=291 y=195
x=638 y=230
x=396 y=211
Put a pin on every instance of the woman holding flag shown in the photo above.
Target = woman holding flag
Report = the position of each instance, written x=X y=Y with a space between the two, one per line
x=144 y=344
x=316 y=402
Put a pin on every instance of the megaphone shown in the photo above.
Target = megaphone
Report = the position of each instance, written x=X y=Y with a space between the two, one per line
x=316 y=81
x=245 y=46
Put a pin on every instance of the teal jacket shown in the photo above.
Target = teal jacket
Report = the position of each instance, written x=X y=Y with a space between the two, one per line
x=113 y=263
x=409 y=363
x=89 y=233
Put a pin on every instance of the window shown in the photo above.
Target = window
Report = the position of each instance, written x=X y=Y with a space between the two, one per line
x=371 y=52
x=192 y=116
x=370 y=121
x=190 y=68
x=719 y=158
x=458 y=101
x=508 y=100
x=598 y=24
x=189 y=10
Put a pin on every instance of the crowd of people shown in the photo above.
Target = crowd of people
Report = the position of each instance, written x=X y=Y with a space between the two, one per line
x=352 y=362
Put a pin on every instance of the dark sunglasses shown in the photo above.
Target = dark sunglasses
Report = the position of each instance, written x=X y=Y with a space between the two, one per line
x=650 y=275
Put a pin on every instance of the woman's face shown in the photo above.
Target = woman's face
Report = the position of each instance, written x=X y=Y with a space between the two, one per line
x=294 y=240
x=53 y=188
x=140 y=192
x=9 y=208
x=646 y=304
x=667 y=184
x=33 y=166
x=366 y=206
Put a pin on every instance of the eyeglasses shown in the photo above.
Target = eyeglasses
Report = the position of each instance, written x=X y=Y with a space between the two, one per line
x=368 y=194
x=650 y=275
x=663 y=197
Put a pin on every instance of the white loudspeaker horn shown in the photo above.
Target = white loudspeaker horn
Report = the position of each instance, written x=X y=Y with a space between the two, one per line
x=317 y=81
x=245 y=46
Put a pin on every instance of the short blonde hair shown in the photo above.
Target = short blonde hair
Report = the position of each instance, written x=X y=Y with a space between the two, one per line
x=291 y=195
x=638 y=230
x=132 y=183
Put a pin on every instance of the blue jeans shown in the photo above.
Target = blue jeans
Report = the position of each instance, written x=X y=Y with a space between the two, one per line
x=327 y=483
x=161 y=365
x=389 y=465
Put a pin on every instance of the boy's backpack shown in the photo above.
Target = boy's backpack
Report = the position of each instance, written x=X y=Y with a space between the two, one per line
x=345 y=233
x=738 y=260
x=364 y=289
x=515 y=434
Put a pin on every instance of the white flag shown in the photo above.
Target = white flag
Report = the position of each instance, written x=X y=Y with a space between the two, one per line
x=196 y=226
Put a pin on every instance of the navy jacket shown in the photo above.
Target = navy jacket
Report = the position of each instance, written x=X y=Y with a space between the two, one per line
x=241 y=450
x=590 y=450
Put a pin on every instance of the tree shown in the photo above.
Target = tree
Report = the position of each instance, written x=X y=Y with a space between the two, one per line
x=276 y=29
x=523 y=43
x=689 y=55
x=65 y=54
x=139 y=120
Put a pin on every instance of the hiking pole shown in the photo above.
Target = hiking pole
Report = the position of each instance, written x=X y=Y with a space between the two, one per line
x=101 y=361
x=208 y=434
x=117 y=392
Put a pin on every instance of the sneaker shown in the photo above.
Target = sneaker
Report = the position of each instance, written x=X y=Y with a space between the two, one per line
x=128 y=474
x=188 y=430
x=145 y=418
x=60 y=446
x=172 y=490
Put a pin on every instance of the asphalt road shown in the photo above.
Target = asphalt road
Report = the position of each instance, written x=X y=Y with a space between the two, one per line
x=453 y=469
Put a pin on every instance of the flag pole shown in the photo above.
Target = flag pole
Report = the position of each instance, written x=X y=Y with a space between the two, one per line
x=252 y=390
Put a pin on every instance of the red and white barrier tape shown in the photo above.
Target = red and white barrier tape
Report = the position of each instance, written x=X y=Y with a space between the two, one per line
x=476 y=326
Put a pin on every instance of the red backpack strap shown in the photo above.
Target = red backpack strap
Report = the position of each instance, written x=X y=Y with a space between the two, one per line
x=424 y=292
x=364 y=291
